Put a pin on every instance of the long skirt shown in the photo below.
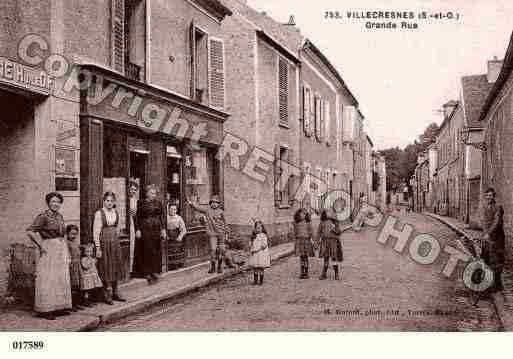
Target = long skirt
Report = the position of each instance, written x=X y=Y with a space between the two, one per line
x=110 y=266
x=151 y=249
x=52 y=286
x=304 y=247
x=331 y=248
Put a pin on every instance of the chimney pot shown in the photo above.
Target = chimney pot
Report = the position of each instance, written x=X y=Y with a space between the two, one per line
x=493 y=69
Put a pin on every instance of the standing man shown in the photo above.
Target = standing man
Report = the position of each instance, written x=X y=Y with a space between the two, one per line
x=492 y=241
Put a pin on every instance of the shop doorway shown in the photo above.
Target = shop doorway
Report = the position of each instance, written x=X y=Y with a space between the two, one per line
x=138 y=164
x=137 y=171
x=20 y=196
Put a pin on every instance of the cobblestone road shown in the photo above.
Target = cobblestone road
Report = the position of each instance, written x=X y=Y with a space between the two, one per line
x=380 y=289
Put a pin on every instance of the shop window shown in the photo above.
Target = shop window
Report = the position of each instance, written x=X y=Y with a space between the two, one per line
x=202 y=181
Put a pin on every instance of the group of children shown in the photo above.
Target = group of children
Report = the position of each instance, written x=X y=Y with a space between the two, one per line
x=85 y=279
x=84 y=276
x=328 y=242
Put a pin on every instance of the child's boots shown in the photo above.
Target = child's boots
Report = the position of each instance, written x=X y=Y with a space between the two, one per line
x=306 y=269
x=261 y=278
x=220 y=266
x=255 y=278
x=212 y=267
x=335 y=268
x=324 y=272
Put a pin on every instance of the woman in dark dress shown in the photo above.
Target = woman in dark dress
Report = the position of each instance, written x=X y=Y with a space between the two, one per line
x=52 y=285
x=150 y=226
x=108 y=248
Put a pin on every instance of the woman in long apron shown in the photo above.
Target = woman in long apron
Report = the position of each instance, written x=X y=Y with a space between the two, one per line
x=108 y=248
x=52 y=285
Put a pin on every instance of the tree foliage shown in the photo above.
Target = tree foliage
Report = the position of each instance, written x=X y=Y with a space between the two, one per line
x=401 y=163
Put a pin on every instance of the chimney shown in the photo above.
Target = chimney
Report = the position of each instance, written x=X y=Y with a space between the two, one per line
x=292 y=21
x=494 y=68
x=448 y=108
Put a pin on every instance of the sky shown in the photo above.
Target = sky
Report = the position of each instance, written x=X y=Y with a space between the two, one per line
x=401 y=77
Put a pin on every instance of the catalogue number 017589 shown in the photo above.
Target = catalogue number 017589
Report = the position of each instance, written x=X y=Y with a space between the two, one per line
x=27 y=345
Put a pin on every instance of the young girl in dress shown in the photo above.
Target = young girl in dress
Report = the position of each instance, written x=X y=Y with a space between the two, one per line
x=303 y=234
x=259 y=249
x=89 y=278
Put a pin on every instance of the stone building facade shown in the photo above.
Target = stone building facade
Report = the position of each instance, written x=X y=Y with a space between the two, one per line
x=497 y=161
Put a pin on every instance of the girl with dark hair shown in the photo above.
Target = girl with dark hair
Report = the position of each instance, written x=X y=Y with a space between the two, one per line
x=303 y=234
x=108 y=249
x=259 y=249
x=74 y=265
x=330 y=246
x=52 y=285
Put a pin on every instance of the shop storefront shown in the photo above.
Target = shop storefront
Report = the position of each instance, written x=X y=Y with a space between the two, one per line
x=149 y=137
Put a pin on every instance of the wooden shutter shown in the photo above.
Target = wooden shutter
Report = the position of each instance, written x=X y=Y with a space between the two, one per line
x=118 y=35
x=216 y=73
x=292 y=177
x=318 y=123
x=283 y=93
x=192 y=59
x=306 y=110
x=277 y=173
x=327 y=119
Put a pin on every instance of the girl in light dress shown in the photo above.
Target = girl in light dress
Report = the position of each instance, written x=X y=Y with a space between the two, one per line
x=89 y=278
x=259 y=249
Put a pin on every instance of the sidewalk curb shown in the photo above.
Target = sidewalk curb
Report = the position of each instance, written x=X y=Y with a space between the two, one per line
x=504 y=316
x=134 y=307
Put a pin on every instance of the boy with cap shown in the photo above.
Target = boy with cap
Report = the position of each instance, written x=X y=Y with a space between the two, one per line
x=217 y=231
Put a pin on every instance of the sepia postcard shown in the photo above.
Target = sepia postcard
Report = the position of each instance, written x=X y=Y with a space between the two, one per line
x=255 y=166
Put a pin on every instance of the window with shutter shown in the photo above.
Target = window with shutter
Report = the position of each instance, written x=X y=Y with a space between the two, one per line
x=118 y=35
x=277 y=174
x=283 y=92
x=217 y=90
x=306 y=111
x=192 y=59
x=327 y=120
x=292 y=177
x=318 y=126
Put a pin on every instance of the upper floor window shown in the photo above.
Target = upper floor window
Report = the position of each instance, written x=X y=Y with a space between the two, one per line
x=319 y=118
x=283 y=90
x=128 y=37
x=207 y=68
x=308 y=108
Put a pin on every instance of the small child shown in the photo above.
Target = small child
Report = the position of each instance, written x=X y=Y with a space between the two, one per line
x=74 y=266
x=330 y=245
x=89 y=280
x=303 y=234
x=259 y=248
